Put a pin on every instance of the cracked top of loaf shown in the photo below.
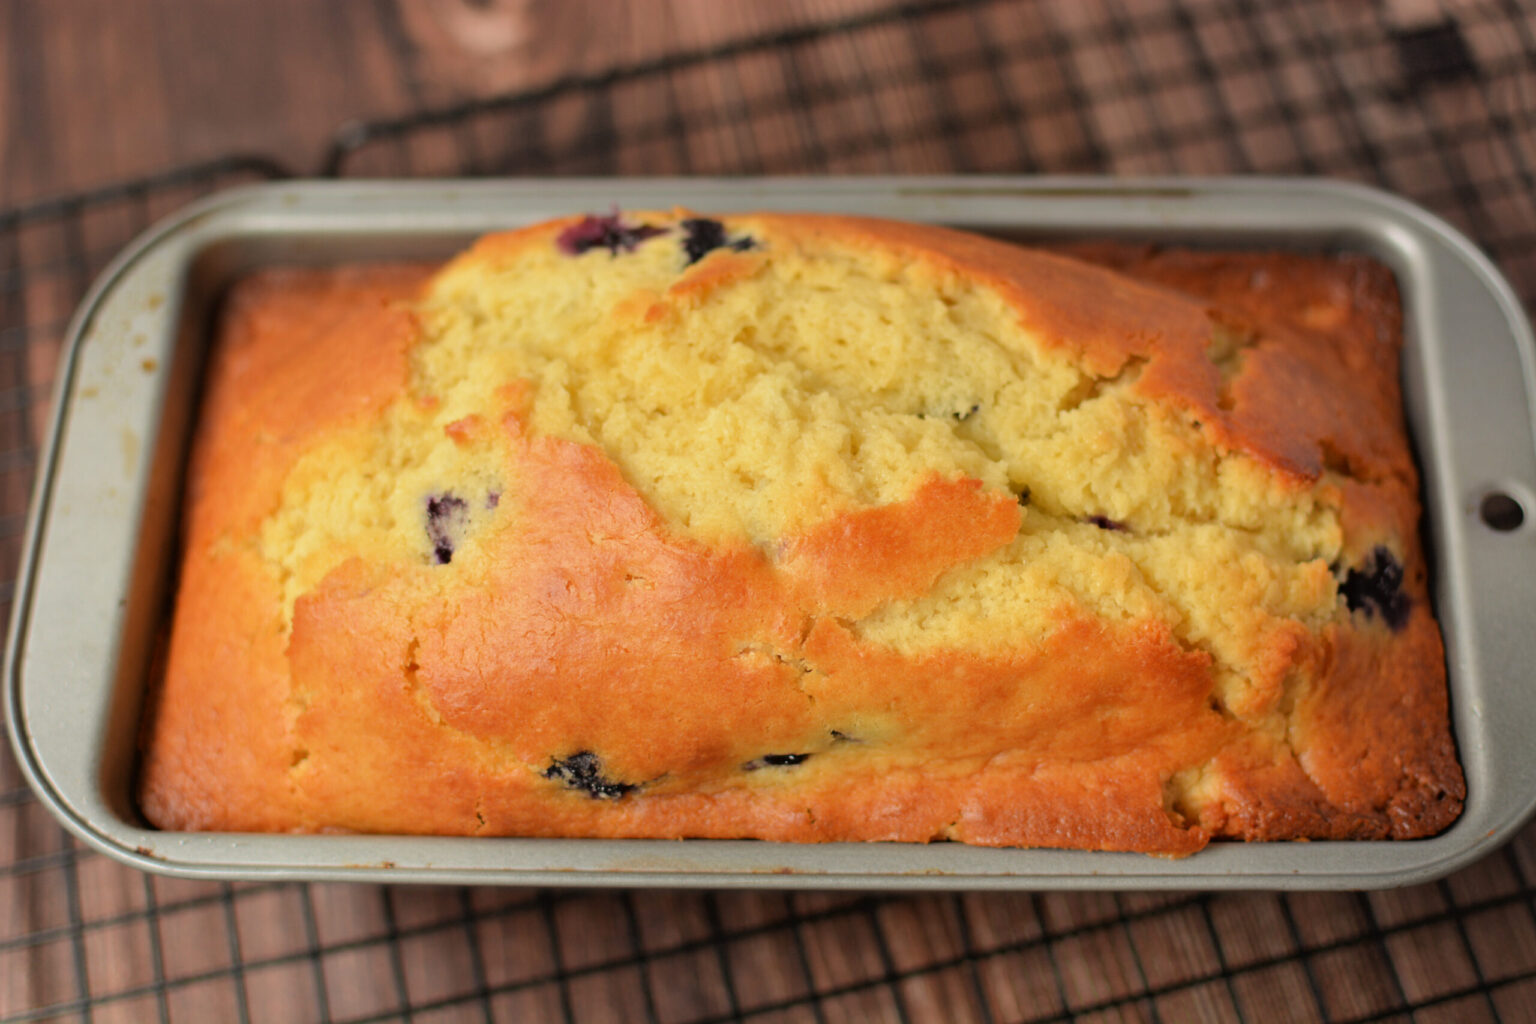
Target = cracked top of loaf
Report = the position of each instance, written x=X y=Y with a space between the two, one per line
x=807 y=528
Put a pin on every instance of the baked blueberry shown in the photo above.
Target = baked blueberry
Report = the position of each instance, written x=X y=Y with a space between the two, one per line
x=702 y=235
x=584 y=771
x=1106 y=523
x=447 y=515
x=1377 y=588
x=608 y=232
x=775 y=761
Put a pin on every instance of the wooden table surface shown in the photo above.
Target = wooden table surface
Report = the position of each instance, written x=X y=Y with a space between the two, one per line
x=96 y=91
x=114 y=113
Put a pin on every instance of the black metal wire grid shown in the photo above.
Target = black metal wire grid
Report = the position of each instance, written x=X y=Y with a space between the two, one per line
x=1443 y=110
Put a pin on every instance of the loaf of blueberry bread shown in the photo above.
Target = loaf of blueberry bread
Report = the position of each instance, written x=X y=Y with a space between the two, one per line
x=806 y=528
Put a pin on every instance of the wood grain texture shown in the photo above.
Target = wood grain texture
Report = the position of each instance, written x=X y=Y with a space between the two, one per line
x=458 y=48
x=101 y=90
x=94 y=91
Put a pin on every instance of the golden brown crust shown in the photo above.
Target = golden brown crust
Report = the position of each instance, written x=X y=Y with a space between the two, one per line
x=1319 y=388
x=596 y=627
x=300 y=352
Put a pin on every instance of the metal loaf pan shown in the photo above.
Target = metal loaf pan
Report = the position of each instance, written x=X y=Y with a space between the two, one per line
x=101 y=539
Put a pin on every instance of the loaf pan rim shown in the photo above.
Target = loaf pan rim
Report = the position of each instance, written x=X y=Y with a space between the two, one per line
x=275 y=208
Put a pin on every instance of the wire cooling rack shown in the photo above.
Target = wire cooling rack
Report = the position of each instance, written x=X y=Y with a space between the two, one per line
x=1436 y=103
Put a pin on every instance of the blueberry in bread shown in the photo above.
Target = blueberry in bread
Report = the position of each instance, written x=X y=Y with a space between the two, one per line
x=807 y=528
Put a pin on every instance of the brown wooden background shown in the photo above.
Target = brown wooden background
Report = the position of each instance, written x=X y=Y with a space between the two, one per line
x=97 y=91
x=113 y=114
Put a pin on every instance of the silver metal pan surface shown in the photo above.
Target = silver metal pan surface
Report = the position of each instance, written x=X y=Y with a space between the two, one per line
x=100 y=543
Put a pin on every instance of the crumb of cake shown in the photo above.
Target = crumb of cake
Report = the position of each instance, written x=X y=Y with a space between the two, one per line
x=788 y=396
